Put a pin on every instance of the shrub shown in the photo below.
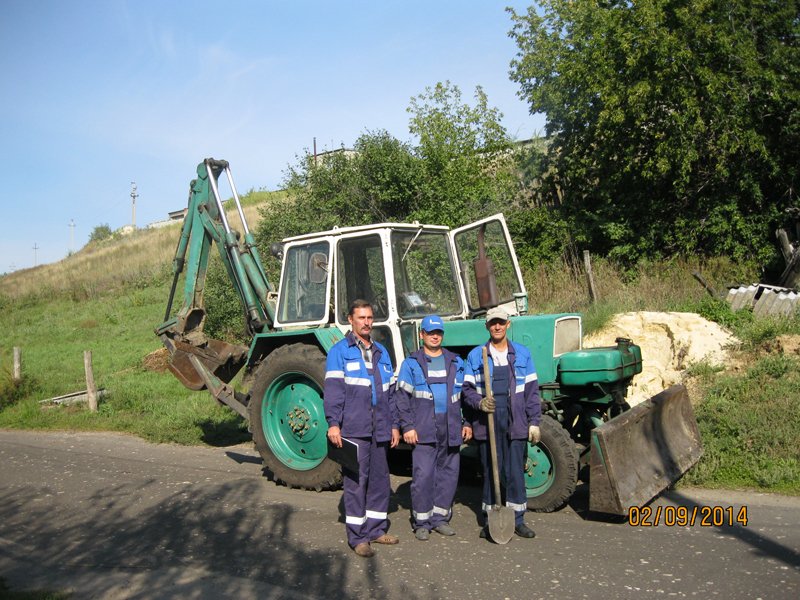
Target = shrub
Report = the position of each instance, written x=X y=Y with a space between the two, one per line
x=100 y=233
x=12 y=391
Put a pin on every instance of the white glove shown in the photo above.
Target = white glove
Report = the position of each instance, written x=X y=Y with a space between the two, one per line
x=534 y=434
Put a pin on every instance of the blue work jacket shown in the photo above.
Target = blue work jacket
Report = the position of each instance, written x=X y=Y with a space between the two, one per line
x=414 y=398
x=525 y=403
x=348 y=391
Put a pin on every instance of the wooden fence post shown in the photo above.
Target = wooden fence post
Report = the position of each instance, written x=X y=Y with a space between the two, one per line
x=587 y=264
x=17 y=364
x=91 y=391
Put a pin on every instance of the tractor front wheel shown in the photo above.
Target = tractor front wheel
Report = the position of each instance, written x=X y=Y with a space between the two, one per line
x=551 y=469
x=287 y=418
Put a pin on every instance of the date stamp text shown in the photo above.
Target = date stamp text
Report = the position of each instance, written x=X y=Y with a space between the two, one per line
x=687 y=516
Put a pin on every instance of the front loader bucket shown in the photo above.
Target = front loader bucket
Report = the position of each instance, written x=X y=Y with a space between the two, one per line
x=220 y=358
x=642 y=451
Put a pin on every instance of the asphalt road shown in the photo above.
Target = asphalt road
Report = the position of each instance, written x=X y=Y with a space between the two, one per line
x=111 y=516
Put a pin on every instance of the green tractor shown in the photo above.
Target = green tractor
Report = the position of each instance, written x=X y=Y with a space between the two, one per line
x=406 y=271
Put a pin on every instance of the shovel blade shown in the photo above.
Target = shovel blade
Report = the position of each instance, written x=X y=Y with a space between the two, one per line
x=501 y=524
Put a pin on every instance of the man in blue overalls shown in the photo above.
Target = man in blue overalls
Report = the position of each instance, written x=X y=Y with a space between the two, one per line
x=359 y=407
x=428 y=397
x=516 y=409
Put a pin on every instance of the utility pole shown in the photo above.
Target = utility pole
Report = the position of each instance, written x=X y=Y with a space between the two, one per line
x=35 y=248
x=71 y=235
x=134 y=195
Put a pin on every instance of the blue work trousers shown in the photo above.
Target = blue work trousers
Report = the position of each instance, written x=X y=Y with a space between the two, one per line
x=366 y=494
x=511 y=455
x=434 y=479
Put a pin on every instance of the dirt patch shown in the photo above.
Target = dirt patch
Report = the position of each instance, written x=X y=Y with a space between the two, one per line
x=784 y=344
x=671 y=343
x=157 y=361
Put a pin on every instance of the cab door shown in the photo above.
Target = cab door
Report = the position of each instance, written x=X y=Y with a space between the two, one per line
x=305 y=290
x=488 y=266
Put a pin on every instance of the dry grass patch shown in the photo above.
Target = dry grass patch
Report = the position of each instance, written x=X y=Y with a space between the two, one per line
x=131 y=260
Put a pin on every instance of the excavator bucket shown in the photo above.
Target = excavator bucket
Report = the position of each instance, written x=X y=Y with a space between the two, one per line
x=220 y=358
x=642 y=451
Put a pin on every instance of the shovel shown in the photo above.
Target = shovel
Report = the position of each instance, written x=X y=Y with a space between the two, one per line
x=501 y=518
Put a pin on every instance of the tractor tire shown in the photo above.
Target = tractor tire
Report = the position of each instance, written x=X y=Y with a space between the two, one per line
x=551 y=470
x=287 y=418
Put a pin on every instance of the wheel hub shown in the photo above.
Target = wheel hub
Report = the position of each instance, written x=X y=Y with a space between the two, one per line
x=298 y=420
x=539 y=472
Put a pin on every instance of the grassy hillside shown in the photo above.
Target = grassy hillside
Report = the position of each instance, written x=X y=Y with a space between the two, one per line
x=108 y=298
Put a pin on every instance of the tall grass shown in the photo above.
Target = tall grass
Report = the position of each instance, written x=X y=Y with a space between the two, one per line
x=139 y=258
x=561 y=286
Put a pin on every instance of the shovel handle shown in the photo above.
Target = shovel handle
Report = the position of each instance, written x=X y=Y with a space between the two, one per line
x=487 y=380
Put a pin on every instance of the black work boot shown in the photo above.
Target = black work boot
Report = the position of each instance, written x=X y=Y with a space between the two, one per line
x=524 y=531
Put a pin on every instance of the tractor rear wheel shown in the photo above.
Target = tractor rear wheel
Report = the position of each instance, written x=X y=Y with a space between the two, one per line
x=551 y=470
x=288 y=418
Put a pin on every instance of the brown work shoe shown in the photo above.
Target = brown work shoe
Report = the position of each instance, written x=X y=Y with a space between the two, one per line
x=387 y=539
x=363 y=549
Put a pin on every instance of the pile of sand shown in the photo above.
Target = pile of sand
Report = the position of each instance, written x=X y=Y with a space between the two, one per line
x=670 y=342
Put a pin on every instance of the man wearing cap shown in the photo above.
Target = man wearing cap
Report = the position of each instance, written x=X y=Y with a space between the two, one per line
x=428 y=397
x=516 y=408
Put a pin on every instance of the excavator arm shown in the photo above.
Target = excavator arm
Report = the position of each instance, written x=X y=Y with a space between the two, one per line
x=198 y=361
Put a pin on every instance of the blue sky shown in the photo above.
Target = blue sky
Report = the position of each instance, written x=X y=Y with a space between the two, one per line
x=97 y=94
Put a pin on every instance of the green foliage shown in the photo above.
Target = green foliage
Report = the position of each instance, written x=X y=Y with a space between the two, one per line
x=460 y=170
x=225 y=318
x=758 y=333
x=703 y=369
x=464 y=153
x=719 y=311
x=597 y=316
x=673 y=123
x=12 y=391
x=100 y=233
x=749 y=426
x=540 y=234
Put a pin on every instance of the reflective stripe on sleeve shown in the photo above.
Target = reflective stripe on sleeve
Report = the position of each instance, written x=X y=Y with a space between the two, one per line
x=405 y=386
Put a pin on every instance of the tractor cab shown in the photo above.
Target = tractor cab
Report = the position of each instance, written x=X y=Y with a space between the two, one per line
x=406 y=271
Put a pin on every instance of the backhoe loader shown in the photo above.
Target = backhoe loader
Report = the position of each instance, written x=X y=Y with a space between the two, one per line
x=406 y=271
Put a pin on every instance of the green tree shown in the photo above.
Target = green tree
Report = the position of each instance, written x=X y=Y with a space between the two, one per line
x=674 y=124
x=100 y=233
x=465 y=153
x=459 y=169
